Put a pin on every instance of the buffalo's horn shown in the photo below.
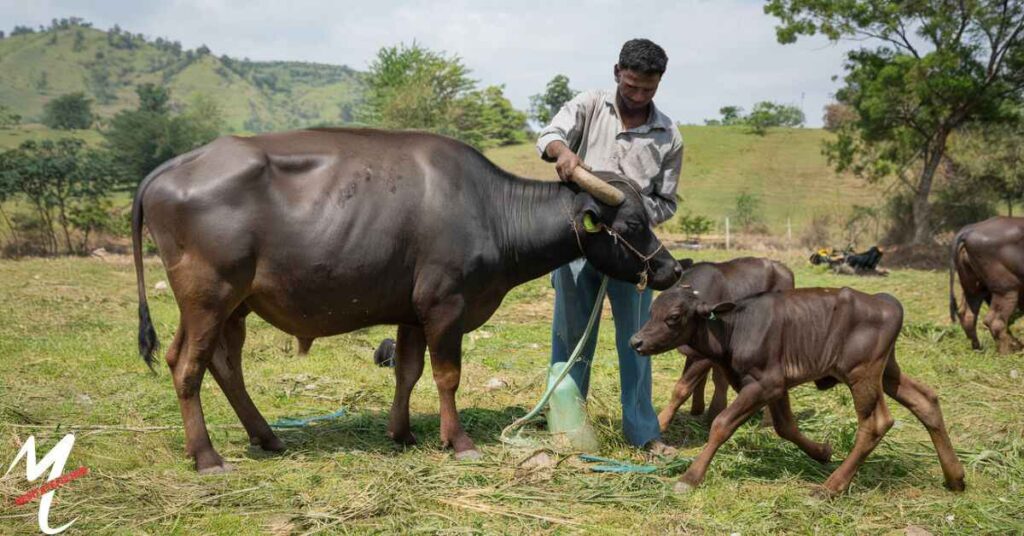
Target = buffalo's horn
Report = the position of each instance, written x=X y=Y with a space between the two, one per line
x=602 y=191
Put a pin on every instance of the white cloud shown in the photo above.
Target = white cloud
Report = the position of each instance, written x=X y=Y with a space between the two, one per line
x=720 y=52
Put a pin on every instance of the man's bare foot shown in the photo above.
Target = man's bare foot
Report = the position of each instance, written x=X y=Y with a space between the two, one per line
x=658 y=448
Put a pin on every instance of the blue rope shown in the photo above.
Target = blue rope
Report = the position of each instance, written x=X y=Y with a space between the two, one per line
x=286 y=422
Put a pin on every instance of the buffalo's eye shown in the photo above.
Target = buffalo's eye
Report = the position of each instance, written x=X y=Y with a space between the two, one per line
x=673 y=318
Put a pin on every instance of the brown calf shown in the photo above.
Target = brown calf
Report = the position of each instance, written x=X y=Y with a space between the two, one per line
x=775 y=341
x=718 y=282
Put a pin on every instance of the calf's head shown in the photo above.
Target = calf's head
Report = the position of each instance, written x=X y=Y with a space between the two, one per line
x=617 y=238
x=674 y=318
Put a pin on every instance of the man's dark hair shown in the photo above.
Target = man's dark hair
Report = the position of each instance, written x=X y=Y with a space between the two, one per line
x=643 y=56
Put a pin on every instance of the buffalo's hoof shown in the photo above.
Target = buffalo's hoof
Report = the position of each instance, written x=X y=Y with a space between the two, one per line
x=468 y=455
x=682 y=488
x=271 y=444
x=406 y=439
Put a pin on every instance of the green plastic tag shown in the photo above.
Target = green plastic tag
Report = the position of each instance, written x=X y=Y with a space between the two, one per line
x=589 y=225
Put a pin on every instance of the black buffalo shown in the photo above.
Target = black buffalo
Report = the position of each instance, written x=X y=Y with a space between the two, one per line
x=325 y=231
x=989 y=258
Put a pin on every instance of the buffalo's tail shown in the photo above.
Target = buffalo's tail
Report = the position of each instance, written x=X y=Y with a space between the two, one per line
x=954 y=251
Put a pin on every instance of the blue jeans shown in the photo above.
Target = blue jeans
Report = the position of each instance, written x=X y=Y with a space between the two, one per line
x=576 y=286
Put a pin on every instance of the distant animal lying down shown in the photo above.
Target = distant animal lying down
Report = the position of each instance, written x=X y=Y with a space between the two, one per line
x=715 y=282
x=771 y=342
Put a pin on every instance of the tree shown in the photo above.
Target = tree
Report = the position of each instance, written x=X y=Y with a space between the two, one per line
x=67 y=112
x=992 y=159
x=413 y=87
x=8 y=118
x=544 y=106
x=153 y=98
x=938 y=66
x=62 y=180
x=416 y=88
x=144 y=138
x=731 y=115
x=838 y=115
x=769 y=114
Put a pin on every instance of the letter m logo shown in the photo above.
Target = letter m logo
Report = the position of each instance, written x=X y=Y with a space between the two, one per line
x=54 y=461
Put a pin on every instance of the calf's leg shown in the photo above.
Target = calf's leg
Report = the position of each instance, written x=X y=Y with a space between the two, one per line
x=751 y=398
x=304 y=345
x=691 y=381
x=408 y=369
x=785 y=425
x=873 y=421
x=924 y=404
x=227 y=371
x=721 y=394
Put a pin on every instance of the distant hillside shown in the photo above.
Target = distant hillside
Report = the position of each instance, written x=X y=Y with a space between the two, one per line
x=785 y=169
x=108 y=65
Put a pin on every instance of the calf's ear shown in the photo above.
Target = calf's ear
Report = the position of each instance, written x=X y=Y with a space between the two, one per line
x=685 y=264
x=710 y=311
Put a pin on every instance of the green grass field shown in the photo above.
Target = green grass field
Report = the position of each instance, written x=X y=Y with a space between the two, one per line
x=785 y=169
x=68 y=363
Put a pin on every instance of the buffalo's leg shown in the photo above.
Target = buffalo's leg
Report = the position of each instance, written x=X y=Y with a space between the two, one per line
x=873 y=421
x=444 y=338
x=698 y=380
x=188 y=358
x=720 y=396
x=304 y=345
x=998 y=321
x=751 y=398
x=408 y=369
x=227 y=371
x=924 y=404
x=694 y=373
x=968 y=312
x=785 y=425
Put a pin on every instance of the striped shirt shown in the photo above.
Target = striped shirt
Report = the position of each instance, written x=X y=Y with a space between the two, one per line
x=651 y=154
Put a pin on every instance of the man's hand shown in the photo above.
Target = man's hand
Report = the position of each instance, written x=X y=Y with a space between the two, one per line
x=565 y=160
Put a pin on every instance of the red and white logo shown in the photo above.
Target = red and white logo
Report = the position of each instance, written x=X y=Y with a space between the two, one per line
x=54 y=461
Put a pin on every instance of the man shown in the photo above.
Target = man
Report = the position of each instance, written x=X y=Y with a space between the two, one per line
x=622 y=132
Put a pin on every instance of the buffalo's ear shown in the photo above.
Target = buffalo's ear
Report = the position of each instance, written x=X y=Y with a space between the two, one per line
x=587 y=205
x=685 y=264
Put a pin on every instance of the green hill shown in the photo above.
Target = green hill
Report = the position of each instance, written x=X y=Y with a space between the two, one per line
x=785 y=169
x=108 y=65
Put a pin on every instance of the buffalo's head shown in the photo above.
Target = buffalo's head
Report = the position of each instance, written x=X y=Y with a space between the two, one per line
x=616 y=237
x=674 y=317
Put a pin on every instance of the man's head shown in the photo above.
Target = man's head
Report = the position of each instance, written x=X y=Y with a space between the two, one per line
x=638 y=72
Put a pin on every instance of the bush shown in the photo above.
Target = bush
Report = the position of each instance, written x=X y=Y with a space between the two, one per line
x=817 y=234
x=749 y=213
x=67 y=112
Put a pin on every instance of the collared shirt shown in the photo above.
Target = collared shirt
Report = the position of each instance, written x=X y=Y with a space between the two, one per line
x=650 y=154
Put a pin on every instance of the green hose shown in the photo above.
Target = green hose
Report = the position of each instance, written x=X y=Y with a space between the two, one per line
x=520 y=441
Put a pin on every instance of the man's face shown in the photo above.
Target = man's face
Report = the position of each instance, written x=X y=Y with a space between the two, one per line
x=636 y=90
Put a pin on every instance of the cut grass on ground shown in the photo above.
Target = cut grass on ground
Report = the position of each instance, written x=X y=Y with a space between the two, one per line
x=69 y=363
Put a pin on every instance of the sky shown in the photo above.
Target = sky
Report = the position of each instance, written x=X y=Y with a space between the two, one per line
x=721 y=52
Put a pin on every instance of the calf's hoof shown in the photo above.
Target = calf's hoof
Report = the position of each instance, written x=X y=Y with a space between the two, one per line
x=956 y=485
x=824 y=454
x=825 y=493
x=682 y=488
x=468 y=455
